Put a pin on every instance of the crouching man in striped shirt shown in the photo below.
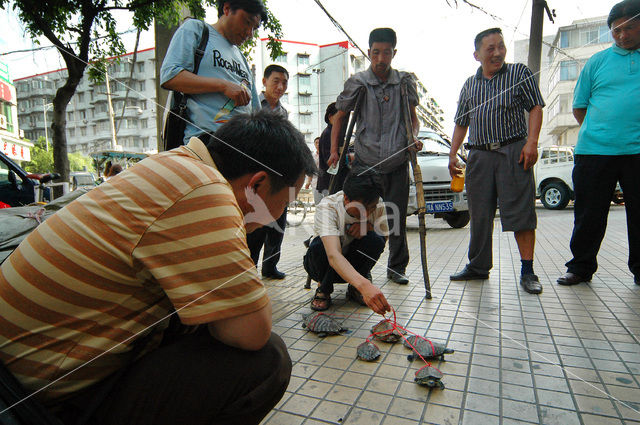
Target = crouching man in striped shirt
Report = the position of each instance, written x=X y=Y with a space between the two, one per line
x=502 y=152
x=167 y=237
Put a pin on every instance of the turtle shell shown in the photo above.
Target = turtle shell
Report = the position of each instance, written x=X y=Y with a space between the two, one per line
x=427 y=349
x=368 y=351
x=384 y=331
x=430 y=377
x=321 y=324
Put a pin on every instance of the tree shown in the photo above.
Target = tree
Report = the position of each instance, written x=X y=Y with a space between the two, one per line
x=42 y=160
x=84 y=32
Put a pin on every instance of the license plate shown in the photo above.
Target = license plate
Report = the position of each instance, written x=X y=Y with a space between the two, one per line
x=441 y=206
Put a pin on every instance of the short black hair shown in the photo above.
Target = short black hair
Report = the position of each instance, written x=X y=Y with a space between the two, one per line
x=478 y=40
x=275 y=68
x=331 y=109
x=261 y=141
x=362 y=186
x=626 y=8
x=252 y=7
x=383 y=35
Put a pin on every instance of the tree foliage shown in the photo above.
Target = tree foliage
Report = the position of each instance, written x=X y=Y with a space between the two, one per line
x=42 y=160
x=84 y=33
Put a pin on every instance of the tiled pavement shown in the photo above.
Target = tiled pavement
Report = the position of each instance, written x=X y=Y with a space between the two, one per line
x=568 y=356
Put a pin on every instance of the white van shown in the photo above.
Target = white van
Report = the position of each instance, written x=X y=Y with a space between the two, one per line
x=440 y=201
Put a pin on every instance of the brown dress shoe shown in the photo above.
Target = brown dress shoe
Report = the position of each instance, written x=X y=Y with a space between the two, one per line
x=572 y=279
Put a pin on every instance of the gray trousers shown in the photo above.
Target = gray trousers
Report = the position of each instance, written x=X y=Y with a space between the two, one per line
x=395 y=193
x=495 y=178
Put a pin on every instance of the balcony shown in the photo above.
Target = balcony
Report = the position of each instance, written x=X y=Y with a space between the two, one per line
x=561 y=123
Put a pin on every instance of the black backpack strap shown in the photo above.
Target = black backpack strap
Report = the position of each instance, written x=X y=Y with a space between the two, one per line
x=204 y=39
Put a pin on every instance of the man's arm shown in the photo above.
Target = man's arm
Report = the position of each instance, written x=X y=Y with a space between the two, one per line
x=335 y=136
x=372 y=295
x=579 y=114
x=190 y=83
x=529 y=153
x=247 y=332
x=415 y=126
x=459 y=133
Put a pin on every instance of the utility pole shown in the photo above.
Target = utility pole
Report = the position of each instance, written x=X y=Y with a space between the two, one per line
x=535 y=35
x=114 y=142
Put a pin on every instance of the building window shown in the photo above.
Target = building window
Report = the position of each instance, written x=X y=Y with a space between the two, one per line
x=305 y=100
x=285 y=98
x=80 y=97
x=83 y=131
x=305 y=83
x=70 y=116
x=141 y=86
x=589 y=36
x=82 y=114
x=140 y=67
x=568 y=70
x=282 y=58
x=72 y=132
x=564 y=39
x=605 y=34
x=305 y=118
x=144 y=123
x=143 y=105
x=6 y=111
x=303 y=60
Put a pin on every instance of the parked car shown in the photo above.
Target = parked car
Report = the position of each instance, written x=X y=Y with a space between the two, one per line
x=17 y=187
x=440 y=201
x=81 y=179
x=554 y=184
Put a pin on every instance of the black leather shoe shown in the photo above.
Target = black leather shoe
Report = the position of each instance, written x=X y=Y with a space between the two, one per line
x=396 y=277
x=355 y=295
x=530 y=283
x=273 y=274
x=467 y=274
x=571 y=279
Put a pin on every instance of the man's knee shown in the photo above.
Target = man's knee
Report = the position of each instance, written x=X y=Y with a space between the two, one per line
x=280 y=361
x=373 y=244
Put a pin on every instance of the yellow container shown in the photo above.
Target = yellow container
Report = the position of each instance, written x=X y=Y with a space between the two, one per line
x=457 y=182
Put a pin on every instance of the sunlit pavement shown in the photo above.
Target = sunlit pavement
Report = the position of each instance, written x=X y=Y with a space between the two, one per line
x=568 y=356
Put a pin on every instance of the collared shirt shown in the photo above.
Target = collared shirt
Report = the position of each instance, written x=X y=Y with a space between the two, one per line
x=331 y=219
x=164 y=235
x=493 y=109
x=609 y=89
x=380 y=136
x=279 y=109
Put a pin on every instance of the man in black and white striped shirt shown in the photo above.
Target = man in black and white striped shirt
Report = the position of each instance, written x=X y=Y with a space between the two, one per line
x=502 y=153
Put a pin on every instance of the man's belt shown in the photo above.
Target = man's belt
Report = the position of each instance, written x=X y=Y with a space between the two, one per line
x=493 y=146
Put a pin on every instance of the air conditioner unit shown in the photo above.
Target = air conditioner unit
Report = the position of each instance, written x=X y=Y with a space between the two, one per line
x=3 y=122
x=21 y=133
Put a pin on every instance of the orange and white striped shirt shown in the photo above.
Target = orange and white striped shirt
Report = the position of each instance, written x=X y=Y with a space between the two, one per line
x=166 y=233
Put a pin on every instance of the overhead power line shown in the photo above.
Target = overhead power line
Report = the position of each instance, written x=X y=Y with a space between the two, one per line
x=337 y=24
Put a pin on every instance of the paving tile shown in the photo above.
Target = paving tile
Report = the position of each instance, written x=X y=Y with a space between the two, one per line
x=553 y=416
x=374 y=401
x=519 y=393
x=283 y=418
x=599 y=406
x=383 y=385
x=475 y=418
x=301 y=405
x=482 y=403
x=555 y=399
x=599 y=420
x=363 y=417
x=314 y=389
x=342 y=394
x=331 y=411
x=441 y=415
x=408 y=409
x=521 y=411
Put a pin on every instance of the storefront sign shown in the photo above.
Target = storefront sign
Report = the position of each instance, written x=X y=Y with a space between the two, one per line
x=15 y=151
x=5 y=92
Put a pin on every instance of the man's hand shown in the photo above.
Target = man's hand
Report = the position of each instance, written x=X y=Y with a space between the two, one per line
x=416 y=145
x=454 y=170
x=528 y=155
x=355 y=230
x=237 y=93
x=333 y=159
x=374 y=299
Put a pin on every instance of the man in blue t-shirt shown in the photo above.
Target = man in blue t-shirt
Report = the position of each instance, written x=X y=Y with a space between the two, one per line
x=607 y=107
x=224 y=85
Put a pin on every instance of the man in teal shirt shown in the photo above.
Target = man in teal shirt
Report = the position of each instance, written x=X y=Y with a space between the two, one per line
x=606 y=104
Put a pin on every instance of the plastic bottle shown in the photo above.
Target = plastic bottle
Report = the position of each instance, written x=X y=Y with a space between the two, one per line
x=230 y=104
x=457 y=182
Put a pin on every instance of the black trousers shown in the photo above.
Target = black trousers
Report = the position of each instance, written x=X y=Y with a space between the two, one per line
x=594 y=182
x=193 y=379
x=395 y=187
x=271 y=237
x=362 y=254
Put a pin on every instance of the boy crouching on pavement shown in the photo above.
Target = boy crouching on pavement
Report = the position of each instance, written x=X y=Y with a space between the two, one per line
x=351 y=228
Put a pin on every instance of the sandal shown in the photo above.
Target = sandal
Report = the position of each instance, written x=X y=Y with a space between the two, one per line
x=320 y=301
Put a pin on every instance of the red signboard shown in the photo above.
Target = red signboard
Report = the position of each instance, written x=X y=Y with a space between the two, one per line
x=5 y=92
x=14 y=151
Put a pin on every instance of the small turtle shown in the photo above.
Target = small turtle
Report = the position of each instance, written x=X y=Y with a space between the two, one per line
x=385 y=332
x=430 y=377
x=426 y=348
x=368 y=351
x=321 y=324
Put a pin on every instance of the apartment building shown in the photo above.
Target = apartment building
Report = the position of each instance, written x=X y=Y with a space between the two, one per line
x=88 y=122
x=12 y=141
x=573 y=45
